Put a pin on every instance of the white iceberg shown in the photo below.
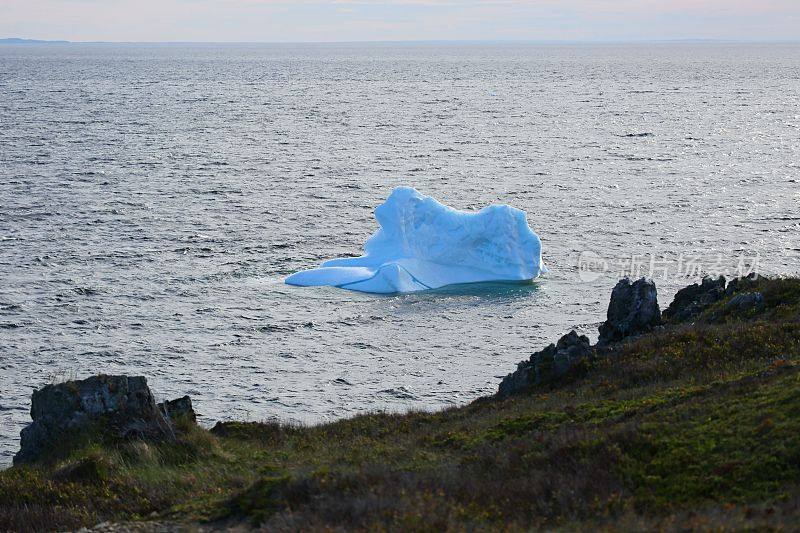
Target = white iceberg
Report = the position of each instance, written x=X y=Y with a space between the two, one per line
x=422 y=244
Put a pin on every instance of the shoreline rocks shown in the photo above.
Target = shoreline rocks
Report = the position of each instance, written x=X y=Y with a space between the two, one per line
x=633 y=310
x=121 y=407
x=547 y=365
x=691 y=301
x=178 y=410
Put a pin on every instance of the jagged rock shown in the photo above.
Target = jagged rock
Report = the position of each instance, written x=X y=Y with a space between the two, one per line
x=633 y=310
x=547 y=365
x=123 y=405
x=570 y=349
x=745 y=302
x=180 y=409
x=690 y=301
x=521 y=379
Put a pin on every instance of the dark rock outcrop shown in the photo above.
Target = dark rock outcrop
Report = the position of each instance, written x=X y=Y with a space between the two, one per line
x=633 y=310
x=177 y=410
x=690 y=301
x=547 y=365
x=746 y=301
x=123 y=407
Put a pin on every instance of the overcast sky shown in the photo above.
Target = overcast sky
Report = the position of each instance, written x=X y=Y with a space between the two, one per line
x=370 y=20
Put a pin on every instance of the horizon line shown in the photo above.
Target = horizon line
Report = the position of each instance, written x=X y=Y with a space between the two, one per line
x=697 y=40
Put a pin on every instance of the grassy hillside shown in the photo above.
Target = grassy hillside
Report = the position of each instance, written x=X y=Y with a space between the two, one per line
x=693 y=426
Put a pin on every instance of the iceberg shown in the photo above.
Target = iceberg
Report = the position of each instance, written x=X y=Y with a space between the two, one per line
x=422 y=244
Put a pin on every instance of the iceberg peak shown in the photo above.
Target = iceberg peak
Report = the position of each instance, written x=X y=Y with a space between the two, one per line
x=422 y=244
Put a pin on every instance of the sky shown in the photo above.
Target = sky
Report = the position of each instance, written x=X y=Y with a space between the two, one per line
x=398 y=20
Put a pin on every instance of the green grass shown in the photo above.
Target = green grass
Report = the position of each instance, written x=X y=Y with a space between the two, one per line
x=692 y=427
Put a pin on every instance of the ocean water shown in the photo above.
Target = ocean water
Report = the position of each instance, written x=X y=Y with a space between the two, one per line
x=153 y=198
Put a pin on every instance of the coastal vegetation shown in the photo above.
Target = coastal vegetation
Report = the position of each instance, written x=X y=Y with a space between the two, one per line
x=695 y=425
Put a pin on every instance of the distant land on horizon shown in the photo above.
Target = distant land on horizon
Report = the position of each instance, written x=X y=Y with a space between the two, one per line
x=17 y=40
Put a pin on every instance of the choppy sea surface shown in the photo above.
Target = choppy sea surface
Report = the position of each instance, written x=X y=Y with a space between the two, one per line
x=153 y=198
